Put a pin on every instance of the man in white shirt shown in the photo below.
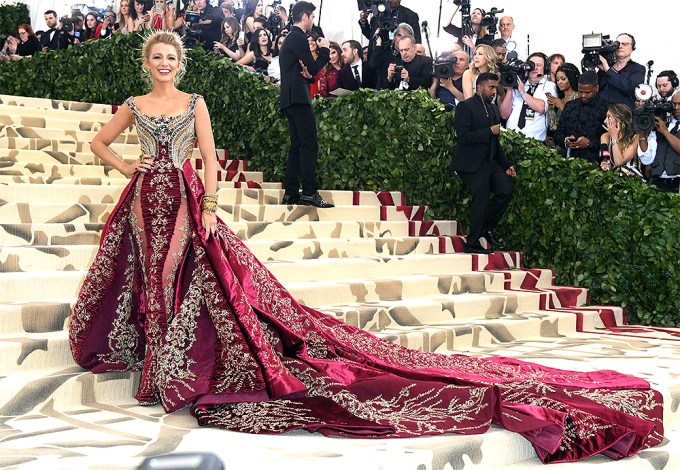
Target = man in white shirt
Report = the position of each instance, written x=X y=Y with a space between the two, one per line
x=506 y=26
x=526 y=107
x=661 y=150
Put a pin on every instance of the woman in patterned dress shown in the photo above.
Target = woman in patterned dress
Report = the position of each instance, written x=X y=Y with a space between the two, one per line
x=174 y=293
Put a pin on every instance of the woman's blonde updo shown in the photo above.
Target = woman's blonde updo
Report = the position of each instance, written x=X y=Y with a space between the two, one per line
x=166 y=37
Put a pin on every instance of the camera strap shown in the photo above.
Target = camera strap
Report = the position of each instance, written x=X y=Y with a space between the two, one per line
x=527 y=112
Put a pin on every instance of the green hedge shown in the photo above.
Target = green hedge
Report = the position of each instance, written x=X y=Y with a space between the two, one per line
x=616 y=236
x=11 y=16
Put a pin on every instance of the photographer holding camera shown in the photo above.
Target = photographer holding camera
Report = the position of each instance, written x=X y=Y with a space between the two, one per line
x=55 y=37
x=471 y=28
x=618 y=81
x=208 y=24
x=415 y=71
x=661 y=150
x=526 y=106
x=450 y=90
x=667 y=83
x=399 y=15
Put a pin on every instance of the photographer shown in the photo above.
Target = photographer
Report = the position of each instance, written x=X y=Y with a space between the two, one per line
x=385 y=53
x=400 y=15
x=526 y=106
x=208 y=24
x=618 y=82
x=666 y=84
x=661 y=150
x=416 y=71
x=580 y=126
x=54 y=38
x=467 y=34
x=139 y=17
x=500 y=47
x=450 y=90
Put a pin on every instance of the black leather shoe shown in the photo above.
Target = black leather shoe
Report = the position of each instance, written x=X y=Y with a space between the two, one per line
x=290 y=199
x=491 y=238
x=314 y=200
x=476 y=248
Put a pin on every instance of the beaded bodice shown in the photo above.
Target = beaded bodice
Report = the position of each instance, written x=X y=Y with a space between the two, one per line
x=170 y=139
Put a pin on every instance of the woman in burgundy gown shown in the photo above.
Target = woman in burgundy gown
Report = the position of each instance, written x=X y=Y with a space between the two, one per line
x=174 y=293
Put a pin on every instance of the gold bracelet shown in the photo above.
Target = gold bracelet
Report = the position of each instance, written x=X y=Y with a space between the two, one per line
x=209 y=202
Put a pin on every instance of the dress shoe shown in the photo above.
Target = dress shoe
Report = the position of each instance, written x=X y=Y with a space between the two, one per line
x=491 y=238
x=314 y=200
x=290 y=199
x=476 y=248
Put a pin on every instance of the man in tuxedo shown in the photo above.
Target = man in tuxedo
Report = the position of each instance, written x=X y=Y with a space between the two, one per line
x=355 y=73
x=54 y=38
x=298 y=69
x=481 y=163
x=399 y=13
x=415 y=71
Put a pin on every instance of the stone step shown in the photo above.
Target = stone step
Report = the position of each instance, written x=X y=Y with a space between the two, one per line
x=115 y=179
x=98 y=213
x=50 y=349
x=94 y=116
x=88 y=234
x=63 y=145
x=90 y=191
x=20 y=286
x=39 y=104
x=72 y=158
x=79 y=257
x=31 y=132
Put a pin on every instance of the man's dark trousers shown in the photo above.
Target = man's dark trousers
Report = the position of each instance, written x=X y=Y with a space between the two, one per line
x=304 y=148
x=485 y=213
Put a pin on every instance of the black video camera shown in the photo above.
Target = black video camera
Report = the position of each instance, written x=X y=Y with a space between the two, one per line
x=643 y=117
x=382 y=12
x=490 y=21
x=513 y=70
x=443 y=68
x=594 y=46
x=67 y=24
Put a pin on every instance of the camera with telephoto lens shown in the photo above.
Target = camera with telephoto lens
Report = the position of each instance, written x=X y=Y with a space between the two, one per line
x=443 y=68
x=490 y=21
x=382 y=12
x=513 y=70
x=644 y=116
x=67 y=24
x=274 y=22
x=462 y=3
x=594 y=46
x=192 y=33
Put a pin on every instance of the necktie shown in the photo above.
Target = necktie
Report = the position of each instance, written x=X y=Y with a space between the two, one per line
x=523 y=113
x=355 y=69
x=675 y=127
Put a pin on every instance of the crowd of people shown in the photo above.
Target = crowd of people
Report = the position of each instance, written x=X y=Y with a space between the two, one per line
x=546 y=102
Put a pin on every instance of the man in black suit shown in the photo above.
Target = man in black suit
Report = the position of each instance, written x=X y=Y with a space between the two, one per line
x=298 y=68
x=415 y=71
x=54 y=38
x=481 y=163
x=399 y=13
x=355 y=73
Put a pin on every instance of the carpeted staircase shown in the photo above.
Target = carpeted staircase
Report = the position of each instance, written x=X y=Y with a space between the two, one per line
x=372 y=261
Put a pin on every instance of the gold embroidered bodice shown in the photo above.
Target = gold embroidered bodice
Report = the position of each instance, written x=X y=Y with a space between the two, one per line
x=170 y=139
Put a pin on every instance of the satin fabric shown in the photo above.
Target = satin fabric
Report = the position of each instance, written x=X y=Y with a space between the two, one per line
x=226 y=338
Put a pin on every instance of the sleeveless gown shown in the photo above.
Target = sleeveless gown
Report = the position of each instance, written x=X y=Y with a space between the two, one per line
x=210 y=327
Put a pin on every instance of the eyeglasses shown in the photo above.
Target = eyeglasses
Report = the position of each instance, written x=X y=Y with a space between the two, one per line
x=110 y=17
x=625 y=43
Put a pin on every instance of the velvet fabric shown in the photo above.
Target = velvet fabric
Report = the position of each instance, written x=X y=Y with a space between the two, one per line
x=211 y=328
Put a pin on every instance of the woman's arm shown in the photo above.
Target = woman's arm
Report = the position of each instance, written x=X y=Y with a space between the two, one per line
x=111 y=130
x=247 y=59
x=622 y=156
x=467 y=84
x=206 y=144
